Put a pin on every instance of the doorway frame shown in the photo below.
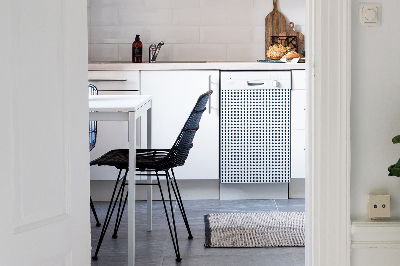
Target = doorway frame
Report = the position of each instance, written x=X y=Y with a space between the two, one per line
x=328 y=223
x=328 y=159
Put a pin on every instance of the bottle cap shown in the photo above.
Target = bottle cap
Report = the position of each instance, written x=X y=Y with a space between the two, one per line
x=137 y=39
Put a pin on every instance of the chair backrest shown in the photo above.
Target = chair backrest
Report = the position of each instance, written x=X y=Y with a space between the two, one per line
x=180 y=150
x=92 y=124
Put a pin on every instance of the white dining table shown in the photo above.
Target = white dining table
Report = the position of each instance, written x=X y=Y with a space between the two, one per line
x=127 y=108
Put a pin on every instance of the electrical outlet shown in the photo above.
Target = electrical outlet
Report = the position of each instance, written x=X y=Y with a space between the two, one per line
x=378 y=206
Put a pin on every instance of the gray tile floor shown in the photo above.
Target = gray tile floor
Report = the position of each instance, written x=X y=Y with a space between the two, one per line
x=155 y=248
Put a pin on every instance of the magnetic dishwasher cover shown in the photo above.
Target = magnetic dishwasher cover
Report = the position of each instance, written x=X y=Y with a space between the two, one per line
x=255 y=126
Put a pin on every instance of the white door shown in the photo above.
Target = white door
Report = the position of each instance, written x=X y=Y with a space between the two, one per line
x=44 y=172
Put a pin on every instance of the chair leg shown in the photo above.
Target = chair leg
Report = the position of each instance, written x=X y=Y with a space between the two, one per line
x=174 y=185
x=94 y=213
x=110 y=211
x=120 y=211
x=174 y=239
x=172 y=214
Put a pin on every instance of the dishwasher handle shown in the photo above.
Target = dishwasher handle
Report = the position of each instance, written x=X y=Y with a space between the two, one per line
x=249 y=83
x=106 y=80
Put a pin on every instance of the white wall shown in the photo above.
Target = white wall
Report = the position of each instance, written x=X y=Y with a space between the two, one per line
x=193 y=30
x=375 y=108
x=375 y=119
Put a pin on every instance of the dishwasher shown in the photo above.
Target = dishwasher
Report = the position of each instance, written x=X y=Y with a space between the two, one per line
x=255 y=126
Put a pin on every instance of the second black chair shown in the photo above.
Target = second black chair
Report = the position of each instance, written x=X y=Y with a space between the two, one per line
x=154 y=160
x=92 y=142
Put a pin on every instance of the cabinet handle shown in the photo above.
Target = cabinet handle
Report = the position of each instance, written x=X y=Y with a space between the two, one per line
x=209 y=99
x=100 y=80
x=255 y=83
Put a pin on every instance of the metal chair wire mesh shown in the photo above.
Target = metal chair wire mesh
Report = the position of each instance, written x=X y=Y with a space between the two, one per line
x=160 y=160
x=92 y=143
x=155 y=160
x=92 y=124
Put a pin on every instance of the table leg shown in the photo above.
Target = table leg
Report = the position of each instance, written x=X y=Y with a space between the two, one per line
x=132 y=190
x=149 y=178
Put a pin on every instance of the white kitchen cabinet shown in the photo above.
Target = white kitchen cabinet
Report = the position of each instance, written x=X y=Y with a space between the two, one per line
x=115 y=80
x=174 y=96
x=298 y=125
x=298 y=79
x=112 y=134
x=298 y=109
x=298 y=152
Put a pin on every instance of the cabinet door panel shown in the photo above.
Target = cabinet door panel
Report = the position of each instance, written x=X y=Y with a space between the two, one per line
x=298 y=79
x=298 y=109
x=297 y=150
x=174 y=96
x=115 y=80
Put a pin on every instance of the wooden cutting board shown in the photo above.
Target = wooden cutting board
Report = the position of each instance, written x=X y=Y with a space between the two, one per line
x=299 y=36
x=275 y=23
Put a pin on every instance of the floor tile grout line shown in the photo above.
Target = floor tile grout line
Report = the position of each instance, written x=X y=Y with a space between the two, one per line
x=276 y=205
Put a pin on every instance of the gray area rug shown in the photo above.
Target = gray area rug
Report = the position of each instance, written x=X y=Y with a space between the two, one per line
x=238 y=230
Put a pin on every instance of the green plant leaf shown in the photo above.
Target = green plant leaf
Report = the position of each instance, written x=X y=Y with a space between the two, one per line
x=394 y=170
x=396 y=139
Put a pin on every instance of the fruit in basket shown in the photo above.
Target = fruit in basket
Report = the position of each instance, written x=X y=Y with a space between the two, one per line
x=293 y=55
x=277 y=51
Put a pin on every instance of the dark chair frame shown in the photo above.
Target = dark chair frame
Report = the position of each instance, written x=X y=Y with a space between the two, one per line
x=92 y=142
x=151 y=162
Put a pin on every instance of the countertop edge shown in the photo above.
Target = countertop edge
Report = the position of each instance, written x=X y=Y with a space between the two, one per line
x=194 y=66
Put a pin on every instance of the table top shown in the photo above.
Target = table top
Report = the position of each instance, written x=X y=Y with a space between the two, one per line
x=117 y=103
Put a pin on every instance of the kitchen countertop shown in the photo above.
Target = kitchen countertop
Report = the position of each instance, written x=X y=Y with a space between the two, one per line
x=195 y=66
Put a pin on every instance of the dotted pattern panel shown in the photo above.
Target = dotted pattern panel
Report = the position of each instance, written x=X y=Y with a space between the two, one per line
x=255 y=136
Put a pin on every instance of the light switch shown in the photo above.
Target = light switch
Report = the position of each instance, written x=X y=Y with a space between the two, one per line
x=369 y=14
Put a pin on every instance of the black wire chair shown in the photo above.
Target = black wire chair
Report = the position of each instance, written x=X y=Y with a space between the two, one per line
x=154 y=160
x=92 y=143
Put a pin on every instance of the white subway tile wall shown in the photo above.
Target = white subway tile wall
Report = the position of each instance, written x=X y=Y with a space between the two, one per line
x=103 y=52
x=199 y=16
x=106 y=16
x=199 y=52
x=192 y=30
x=115 y=34
x=238 y=52
x=170 y=35
x=145 y=16
x=172 y=3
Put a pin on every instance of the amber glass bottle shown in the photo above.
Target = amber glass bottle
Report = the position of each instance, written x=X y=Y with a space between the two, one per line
x=137 y=50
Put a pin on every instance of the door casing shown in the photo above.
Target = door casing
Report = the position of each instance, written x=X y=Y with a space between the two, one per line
x=328 y=50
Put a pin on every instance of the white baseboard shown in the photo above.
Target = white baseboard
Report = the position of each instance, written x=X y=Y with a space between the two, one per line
x=297 y=188
x=232 y=191
x=375 y=243
x=101 y=190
